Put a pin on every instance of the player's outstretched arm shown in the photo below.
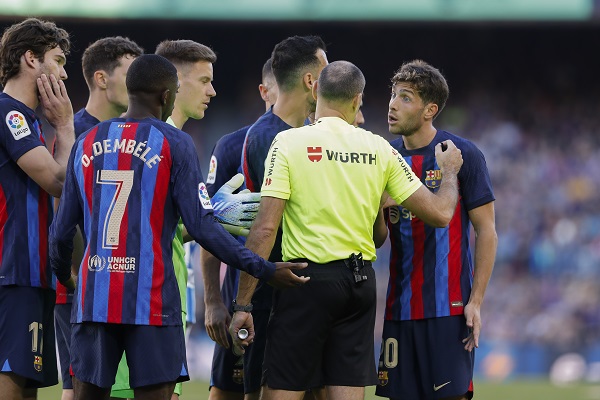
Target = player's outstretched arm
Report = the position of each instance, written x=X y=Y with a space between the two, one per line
x=486 y=242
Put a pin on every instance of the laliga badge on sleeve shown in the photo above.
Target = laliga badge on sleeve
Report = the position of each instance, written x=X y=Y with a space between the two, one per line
x=17 y=124
x=212 y=170
x=204 y=197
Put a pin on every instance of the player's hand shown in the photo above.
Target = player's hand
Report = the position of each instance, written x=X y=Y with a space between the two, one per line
x=473 y=317
x=56 y=105
x=241 y=320
x=285 y=278
x=235 y=210
x=71 y=284
x=448 y=157
x=386 y=201
x=216 y=321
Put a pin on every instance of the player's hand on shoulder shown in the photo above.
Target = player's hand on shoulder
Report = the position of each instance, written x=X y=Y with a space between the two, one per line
x=56 y=105
x=285 y=278
x=448 y=157
x=235 y=210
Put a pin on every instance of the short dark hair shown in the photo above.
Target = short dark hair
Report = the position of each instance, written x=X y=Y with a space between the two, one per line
x=31 y=34
x=267 y=70
x=150 y=73
x=292 y=56
x=105 y=54
x=185 y=51
x=340 y=81
x=428 y=81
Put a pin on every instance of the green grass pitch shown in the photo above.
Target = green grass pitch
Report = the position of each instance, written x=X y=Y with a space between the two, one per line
x=512 y=390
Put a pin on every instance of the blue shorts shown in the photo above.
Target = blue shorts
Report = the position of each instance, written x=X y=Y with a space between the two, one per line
x=27 y=334
x=425 y=359
x=155 y=354
x=227 y=372
x=62 y=324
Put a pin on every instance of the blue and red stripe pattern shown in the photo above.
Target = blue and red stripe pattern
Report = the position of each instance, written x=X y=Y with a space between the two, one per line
x=129 y=181
x=431 y=269
x=25 y=208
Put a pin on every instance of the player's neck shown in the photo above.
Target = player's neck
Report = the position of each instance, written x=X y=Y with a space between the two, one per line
x=178 y=118
x=420 y=138
x=292 y=109
x=23 y=89
x=101 y=109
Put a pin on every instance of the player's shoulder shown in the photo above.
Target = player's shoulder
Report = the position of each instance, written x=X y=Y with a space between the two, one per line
x=234 y=137
x=9 y=105
x=267 y=126
x=462 y=143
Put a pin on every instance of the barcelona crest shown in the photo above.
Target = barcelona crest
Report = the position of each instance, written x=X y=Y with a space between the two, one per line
x=238 y=376
x=383 y=378
x=37 y=363
x=433 y=178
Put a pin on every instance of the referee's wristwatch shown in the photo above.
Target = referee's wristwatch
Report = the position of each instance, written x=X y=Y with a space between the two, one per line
x=236 y=307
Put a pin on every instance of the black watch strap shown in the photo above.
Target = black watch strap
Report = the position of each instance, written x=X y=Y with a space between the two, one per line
x=237 y=307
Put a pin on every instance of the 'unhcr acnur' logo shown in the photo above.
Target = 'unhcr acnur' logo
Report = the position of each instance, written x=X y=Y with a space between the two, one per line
x=96 y=263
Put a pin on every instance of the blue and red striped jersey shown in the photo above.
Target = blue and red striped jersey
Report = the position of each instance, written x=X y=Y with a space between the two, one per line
x=84 y=121
x=128 y=182
x=431 y=269
x=224 y=164
x=25 y=208
x=256 y=149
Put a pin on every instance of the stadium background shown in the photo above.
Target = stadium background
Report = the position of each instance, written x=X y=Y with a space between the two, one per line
x=524 y=88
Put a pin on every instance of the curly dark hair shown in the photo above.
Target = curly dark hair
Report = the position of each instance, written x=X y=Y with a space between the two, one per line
x=32 y=34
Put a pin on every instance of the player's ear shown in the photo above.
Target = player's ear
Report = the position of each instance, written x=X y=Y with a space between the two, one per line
x=164 y=97
x=431 y=110
x=29 y=58
x=309 y=80
x=100 y=79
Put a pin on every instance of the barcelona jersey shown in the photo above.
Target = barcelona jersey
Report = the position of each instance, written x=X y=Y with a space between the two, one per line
x=256 y=149
x=431 y=269
x=224 y=164
x=25 y=208
x=128 y=182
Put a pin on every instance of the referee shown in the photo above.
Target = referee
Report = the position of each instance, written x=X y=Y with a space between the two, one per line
x=325 y=181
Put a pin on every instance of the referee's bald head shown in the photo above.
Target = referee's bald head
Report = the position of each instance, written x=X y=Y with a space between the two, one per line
x=340 y=81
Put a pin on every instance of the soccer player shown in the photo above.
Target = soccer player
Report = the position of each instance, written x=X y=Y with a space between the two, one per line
x=105 y=63
x=435 y=290
x=194 y=63
x=32 y=69
x=296 y=62
x=322 y=332
x=226 y=382
x=128 y=181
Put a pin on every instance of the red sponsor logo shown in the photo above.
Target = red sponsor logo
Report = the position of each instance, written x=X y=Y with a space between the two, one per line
x=315 y=154
x=268 y=181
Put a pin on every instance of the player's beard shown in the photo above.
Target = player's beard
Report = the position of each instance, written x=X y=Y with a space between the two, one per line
x=408 y=126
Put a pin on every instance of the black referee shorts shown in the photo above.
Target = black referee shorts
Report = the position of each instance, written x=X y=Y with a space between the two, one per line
x=321 y=333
